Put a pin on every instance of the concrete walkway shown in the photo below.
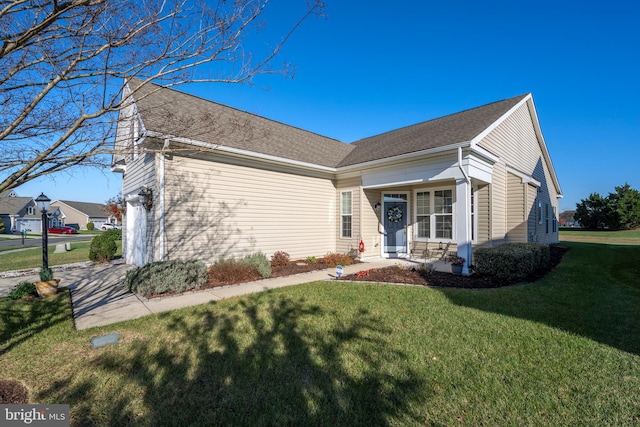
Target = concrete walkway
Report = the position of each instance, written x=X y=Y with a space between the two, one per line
x=100 y=298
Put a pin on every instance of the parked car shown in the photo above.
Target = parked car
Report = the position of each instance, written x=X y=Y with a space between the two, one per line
x=72 y=225
x=62 y=230
x=109 y=226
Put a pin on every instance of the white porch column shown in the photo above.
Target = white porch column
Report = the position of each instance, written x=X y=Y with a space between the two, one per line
x=462 y=214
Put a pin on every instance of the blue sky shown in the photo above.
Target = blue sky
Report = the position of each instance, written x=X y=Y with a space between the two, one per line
x=368 y=67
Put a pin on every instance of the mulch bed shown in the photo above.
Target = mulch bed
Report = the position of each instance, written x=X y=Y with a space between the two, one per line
x=447 y=280
x=13 y=392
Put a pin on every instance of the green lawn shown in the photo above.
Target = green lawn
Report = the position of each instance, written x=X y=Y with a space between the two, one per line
x=624 y=237
x=32 y=258
x=563 y=351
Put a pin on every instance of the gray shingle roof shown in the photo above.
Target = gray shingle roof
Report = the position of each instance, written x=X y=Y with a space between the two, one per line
x=171 y=112
x=176 y=113
x=12 y=205
x=90 y=209
x=447 y=130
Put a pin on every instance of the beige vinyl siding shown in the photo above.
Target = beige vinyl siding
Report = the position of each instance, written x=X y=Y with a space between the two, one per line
x=532 y=223
x=516 y=220
x=216 y=209
x=498 y=203
x=483 y=231
x=141 y=172
x=516 y=143
x=343 y=244
x=370 y=223
x=72 y=216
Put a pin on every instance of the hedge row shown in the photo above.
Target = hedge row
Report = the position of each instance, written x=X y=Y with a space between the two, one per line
x=511 y=262
x=166 y=276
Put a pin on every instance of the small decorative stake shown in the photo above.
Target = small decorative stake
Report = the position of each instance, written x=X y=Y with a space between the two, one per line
x=339 y=271
x=103 y=340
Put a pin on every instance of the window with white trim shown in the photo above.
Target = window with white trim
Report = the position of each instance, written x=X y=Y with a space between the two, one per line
x=546 y=217
x=555 y=220
x=443 y=211
x=423 y=214
x=434 y=214
x=346 y=216
x=31 y=210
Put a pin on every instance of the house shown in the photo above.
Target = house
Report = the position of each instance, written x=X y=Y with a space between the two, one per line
x=203 y=180
x=21 y=214
x=82 y=213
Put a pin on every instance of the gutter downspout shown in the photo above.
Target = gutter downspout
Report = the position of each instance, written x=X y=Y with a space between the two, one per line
x=161 y=201
x=468 y=208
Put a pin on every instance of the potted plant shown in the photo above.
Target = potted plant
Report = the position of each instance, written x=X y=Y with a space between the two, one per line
x=456 y=264
x=47 y=284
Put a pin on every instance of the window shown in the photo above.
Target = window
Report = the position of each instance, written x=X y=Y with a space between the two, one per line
x=434 y=214
x=539 y=212
x=423 y=213
x=546 y=217
x=443 y=210
x=345 y=214
x=555 y=220
x=31 y=210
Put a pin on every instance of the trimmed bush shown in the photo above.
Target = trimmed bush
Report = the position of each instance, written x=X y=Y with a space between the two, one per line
x=90 y=226
x=333 y=259
x=166 y=276
x=115 y=233
x=103 y=248
x=260 y=262
x=511 y=262
x=46 y=274
x=23 y=290
x=279 y=259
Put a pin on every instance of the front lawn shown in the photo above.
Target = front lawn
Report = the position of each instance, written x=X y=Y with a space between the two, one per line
x=32 y=258
x=563 y=351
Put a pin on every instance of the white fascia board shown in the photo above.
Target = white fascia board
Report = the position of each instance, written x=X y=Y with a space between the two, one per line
x=392 y=184
x=543 y=146
x=476 y=149
x=241 y=152
x=525 y=178
x=498 y=122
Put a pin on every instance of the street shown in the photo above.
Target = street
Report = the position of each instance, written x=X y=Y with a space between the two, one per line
x=32 y=241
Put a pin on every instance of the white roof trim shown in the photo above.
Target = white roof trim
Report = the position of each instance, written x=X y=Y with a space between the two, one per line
x=497 y=123
x=392 y=184
x=525 y=178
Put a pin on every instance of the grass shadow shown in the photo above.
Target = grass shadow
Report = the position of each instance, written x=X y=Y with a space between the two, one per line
x=266 y=360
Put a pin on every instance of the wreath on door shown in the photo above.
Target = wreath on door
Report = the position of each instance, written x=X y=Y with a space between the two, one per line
x=394 y=214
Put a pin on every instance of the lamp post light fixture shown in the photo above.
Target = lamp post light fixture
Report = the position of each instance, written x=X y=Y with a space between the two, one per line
x=44 y=203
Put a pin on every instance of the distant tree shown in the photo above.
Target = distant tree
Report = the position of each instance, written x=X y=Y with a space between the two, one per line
x=1 y=227
x=592 y=212
x=63 y=65
x=114 y=206
x=624 y=207
x=617 y=211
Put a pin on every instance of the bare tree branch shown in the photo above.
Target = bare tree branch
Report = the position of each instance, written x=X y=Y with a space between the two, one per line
x=63 y=64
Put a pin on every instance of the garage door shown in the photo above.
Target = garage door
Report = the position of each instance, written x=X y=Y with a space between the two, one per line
x=31 y=225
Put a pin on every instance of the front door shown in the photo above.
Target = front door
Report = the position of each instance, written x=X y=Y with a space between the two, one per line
x=395 y=226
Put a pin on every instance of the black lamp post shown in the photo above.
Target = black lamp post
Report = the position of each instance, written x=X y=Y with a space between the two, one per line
x=43 y=203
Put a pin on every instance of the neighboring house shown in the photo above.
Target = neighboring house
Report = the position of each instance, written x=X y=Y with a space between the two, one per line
x=82 y=213
x=227 y=183
x=21 y=214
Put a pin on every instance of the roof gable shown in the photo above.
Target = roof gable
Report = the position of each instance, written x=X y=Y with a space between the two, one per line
x=13 y=205
x=170 y=112
x=97 y=210
x=453 y=129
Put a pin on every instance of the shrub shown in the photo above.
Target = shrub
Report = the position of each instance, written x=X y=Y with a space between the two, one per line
x=90 y=226
x=279 y=259
x=311 y=259
x=333 y=259
x=511 y=262
x=115 y=233
x=260 y=262
x=166 y=276
x=23 y=290
x=103 y=248
x=46 y=274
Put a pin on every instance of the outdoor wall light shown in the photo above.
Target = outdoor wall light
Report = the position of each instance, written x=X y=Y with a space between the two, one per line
x=377 y=206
